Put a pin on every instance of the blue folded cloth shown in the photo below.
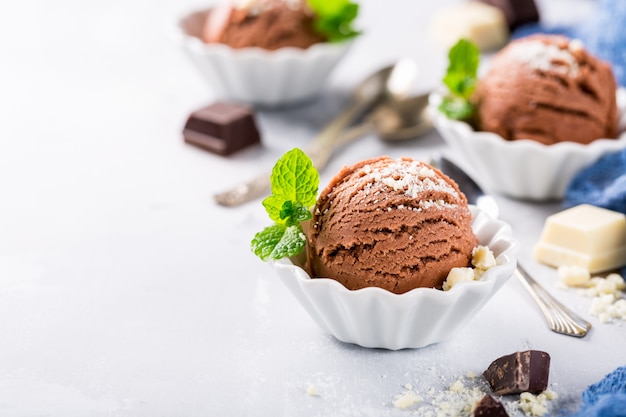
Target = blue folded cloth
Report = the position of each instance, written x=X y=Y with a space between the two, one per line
x=606 y=398
x=602 y=33
x=601 y=184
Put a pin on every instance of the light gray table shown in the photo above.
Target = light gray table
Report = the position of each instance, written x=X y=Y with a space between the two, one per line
x=125 y=291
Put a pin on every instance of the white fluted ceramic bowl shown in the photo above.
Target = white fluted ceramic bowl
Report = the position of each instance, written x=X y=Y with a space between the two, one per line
x=523 y=169
x=261 y=77
x=376 y=318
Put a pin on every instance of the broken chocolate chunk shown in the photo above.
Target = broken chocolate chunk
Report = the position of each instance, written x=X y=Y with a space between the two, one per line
x=490 y=407
x=516 y=12
x=519 y=372
x=222 y=128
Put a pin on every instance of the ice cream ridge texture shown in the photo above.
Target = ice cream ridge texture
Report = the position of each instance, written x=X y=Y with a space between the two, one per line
x=397 y=224
x=267 y=24
x=548 y=88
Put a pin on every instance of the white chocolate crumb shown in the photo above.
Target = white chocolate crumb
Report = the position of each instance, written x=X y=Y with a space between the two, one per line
x=574 y=275
x=457 y=386
x=312 y=391
x=535 y=405
x=607 y=307
x=407 y=400
x=607 y=301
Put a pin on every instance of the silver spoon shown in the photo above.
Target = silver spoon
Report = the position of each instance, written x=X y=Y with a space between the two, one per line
x=393 y=81
x=395 y=119
x=560 y=318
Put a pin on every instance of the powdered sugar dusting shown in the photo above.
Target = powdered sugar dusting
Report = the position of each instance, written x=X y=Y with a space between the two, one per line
x=411 y=177
x=545 y=57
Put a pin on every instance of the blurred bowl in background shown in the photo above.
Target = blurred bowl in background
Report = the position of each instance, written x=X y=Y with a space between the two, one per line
x=257 y=76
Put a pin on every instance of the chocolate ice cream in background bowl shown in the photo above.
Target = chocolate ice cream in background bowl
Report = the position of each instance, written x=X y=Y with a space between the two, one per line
x=393 y=256
x=544 y=110
x=266 y=52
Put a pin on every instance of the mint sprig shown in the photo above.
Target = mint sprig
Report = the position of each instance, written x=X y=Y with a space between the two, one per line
x=461 y=78
x=294 y=183
x=335 y=18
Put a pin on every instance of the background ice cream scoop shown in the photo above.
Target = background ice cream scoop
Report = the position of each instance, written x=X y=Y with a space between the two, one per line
x=266 y=24
x=548 y=89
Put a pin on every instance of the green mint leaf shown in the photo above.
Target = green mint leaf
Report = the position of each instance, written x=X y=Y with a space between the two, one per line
x=335 y=18
x=461 y=75
x=461 y=78
x=273 y=206
x=457 y=108
x=294 y=183
x=278 y=241
x=295 y=178
x=289 y=213
x=295 y=213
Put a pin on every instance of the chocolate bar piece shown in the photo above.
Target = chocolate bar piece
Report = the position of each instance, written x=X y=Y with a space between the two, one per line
x=222 y=128
x=519 y=372
x=490 y=407
x=516 y=12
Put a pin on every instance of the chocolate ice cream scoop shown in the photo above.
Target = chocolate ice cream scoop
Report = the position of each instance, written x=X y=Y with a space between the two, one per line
x=267 y=24
x=549 y=89
x=396 y=224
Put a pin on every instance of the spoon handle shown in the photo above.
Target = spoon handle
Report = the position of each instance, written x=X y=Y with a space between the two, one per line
x=319 y=150
x=560 y=318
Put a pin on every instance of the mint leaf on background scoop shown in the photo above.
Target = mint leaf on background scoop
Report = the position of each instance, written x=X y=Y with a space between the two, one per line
x=461 y=78
x=334 y=18
x=294 y=183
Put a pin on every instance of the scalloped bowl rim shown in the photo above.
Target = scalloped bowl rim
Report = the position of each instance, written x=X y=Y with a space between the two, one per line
x=488 y=279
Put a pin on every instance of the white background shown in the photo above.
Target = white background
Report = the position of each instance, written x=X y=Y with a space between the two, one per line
x=125 y=291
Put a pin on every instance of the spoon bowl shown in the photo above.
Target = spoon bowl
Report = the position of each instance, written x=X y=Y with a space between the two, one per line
x=393 y=82
x=393 y=119
x=402 y=119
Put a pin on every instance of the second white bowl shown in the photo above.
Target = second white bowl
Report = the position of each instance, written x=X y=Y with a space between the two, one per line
x=523 y=168
x=259 y=76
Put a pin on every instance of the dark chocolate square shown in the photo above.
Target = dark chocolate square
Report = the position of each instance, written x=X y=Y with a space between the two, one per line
x=519 y=372
x=516 y=12
x=222 y=128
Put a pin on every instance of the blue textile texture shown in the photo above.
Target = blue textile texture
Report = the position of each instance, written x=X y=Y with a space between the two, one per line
x=601 y=184
x=606 y=398
x=602 y=33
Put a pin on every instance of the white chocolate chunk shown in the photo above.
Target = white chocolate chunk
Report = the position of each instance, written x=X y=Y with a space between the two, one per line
x=457 y=275
x=482 y=258
x=480 y=23
x=585 y=236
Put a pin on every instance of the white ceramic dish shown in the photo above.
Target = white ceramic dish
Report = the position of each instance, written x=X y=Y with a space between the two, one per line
x=258 y=76
x=523 y=168
x=376 y=318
